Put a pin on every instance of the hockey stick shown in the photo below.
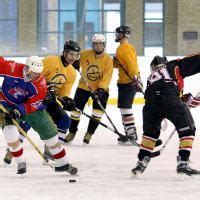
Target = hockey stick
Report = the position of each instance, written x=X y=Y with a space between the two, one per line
x=109 y=128
x=158 y=142
x=157 y=153
x=27 y=137
x=131 y=78
x=98 y=101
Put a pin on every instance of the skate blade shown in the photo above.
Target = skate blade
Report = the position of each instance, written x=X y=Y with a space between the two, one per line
x=183 y=176
x=85 y=144
x=126 y=143
x=49 y=162
x=68 y=143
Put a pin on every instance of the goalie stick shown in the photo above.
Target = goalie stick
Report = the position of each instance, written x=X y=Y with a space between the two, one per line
x=157 y=153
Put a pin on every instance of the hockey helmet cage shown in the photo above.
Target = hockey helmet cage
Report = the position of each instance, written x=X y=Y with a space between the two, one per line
x=158 y=62
x=121 y=32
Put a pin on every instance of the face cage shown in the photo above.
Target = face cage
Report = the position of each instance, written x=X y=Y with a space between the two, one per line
x=98 y=52
x=26 y=74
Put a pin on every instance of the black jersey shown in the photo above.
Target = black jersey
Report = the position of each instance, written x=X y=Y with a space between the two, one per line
x=169 y=79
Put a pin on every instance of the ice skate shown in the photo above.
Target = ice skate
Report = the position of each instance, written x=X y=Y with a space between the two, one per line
x=69 y=138
x=67 y=168
x=183 y=168
x=87 y=138
x=8 y=157
x=21 y=169
x=140 y=166
x=131 y=135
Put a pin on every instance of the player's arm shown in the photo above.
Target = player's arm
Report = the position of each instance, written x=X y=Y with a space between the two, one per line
x=7 y=67
x=34 y=102
x=130 y=60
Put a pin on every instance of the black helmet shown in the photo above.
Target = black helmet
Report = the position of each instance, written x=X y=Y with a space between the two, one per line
x=158 y=62
x=122 y=31
x=71 y=45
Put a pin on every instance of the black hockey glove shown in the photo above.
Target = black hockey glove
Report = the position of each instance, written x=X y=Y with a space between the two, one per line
x=99 y=93
x=76 y=64
x=50 y=96
x=13 y=114
x=137 y=84
x=191 y=101
x=68 y=104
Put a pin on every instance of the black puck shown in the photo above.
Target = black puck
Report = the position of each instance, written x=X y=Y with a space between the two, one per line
x=72 y=180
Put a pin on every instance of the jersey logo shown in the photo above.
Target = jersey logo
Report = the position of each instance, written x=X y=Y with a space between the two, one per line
x=16 y=92
x=36 y=105
x=58 y=80
x=93 y=73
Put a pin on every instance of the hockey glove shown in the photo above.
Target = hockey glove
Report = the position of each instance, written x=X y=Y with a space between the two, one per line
x=13 y=114
x=191 y=101
x=137 y=84
x=68 y=104
x=50 y=96
x=99 y=93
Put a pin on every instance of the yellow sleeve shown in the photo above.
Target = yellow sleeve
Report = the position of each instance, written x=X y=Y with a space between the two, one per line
x=46 y=69
x=130 y=58
x=107 y=74
x=115 y=65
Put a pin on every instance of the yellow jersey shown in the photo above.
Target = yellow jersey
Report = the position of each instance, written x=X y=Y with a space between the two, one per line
x=126 y=55
x=97 y=71
x=63 y=77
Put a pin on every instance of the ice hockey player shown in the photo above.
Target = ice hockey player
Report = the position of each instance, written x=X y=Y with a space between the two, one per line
x=97 y=68
x=60 y=76
x=23 y=91
x=162 y=100
x=127 y=57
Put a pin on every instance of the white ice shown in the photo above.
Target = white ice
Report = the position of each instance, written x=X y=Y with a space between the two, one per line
x=104 y=168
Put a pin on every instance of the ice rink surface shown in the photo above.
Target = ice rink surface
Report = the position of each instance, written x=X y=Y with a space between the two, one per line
x=104 y=169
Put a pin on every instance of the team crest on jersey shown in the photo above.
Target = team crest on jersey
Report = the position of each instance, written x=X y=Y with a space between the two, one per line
x=93 y=73
x=58 y=80
x=17 y=92
x=36 y=105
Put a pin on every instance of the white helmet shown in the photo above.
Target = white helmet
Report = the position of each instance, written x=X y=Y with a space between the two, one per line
x=98 y=38
x=34 y=64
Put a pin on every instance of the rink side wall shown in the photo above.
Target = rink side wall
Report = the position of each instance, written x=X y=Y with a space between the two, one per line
x=192 y=84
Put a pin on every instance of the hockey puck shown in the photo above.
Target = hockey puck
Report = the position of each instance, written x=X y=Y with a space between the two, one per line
x=72 y=180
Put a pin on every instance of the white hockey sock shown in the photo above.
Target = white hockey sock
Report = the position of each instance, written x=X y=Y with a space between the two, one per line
x=17 y=153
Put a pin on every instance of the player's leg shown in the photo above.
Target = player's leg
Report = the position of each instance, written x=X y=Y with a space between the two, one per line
x=81 y=97
x=126 y=94
x=97 y=113
x=42 y=123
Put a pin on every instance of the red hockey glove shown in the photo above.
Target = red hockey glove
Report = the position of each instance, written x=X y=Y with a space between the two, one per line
x=137 y=84
x=191 y=101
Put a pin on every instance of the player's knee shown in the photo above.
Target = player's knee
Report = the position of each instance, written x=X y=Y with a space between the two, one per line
x=11 y=133
x=187 y=131
x=52 y=142
x=64 y=122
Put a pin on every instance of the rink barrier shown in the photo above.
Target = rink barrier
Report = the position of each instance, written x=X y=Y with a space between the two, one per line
x=113 y=101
